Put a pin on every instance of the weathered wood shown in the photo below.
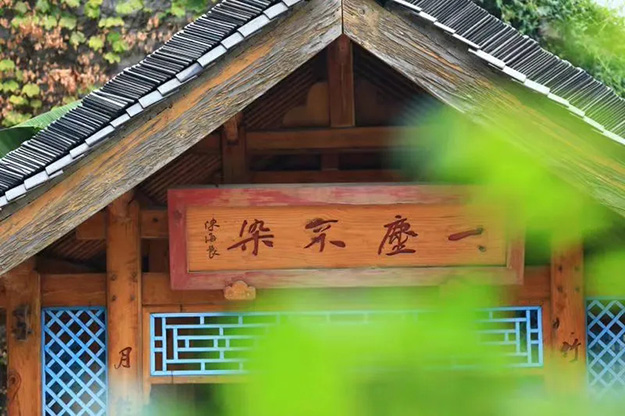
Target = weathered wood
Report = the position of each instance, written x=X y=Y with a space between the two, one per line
x=24 y=367
x=347 y=139
x=203 y=257
x=326 y=176
x=157 y=291
x=165 y=131
x=153 y=225
x=234 y=150
x=123 y=261
x=442 y=66
x=341 y=83
x=568 y=316
x=65 y=290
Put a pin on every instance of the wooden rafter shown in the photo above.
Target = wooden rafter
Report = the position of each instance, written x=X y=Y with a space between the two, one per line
x=167 y=130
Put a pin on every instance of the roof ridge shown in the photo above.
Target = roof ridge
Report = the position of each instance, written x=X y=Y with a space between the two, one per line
x=157 y=76
x=522 y=58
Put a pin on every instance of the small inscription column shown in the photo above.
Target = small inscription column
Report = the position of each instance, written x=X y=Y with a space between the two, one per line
x=568 y=316
x=123 y=283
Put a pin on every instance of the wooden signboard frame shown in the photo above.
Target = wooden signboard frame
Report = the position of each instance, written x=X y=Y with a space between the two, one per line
x=237 y=197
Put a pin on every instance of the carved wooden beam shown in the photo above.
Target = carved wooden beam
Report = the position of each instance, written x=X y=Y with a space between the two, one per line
x=442 y=66
x=167 y=130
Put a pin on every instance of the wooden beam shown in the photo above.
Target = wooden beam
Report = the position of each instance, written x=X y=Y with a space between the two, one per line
x=123 y=261
x=234 y=150
x=24 y=345
x=165 y=131
x=157 y=291
x=568 y=316
x=341 y=83
x=65 y=290
x=348 y=139
x=327 y=176
x=443 y=67
x=153 y=225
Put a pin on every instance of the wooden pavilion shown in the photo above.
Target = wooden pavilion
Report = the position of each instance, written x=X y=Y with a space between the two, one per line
x=95 y=258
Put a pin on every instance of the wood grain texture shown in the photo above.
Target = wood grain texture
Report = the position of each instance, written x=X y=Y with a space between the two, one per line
x=153 y=225
x=341 y=83
x=444 y=68
x=343 y=197
x=568 y=316
x=343 y=139
x=123 y=287
x=24 y=356
x=326 y=176
x=234 y=150
x=165 y=131
x=65 y=290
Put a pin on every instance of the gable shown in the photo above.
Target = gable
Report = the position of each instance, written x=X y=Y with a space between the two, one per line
x=428 y=57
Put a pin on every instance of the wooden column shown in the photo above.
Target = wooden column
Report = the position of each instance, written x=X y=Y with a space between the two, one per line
x=568 y=316
x=24 y=341
x=234 y=151
x=123 y=262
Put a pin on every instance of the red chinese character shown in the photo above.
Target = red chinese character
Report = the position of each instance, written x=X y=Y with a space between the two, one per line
x=397 y=234
x=210 y=225
x=254 y=230
x=320 y=226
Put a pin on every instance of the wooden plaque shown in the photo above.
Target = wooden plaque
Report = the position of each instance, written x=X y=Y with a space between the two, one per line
x=337 y=236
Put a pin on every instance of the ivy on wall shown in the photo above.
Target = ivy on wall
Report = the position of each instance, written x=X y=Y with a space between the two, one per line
x=581 y=31
x=54 y=51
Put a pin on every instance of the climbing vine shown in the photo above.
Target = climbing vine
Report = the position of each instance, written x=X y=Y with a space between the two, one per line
x=54 y=51
x=580 y=31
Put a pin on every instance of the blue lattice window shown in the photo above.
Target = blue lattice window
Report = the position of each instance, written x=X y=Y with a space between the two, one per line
x=605 y=320
x=74 y=361
x=191 y=344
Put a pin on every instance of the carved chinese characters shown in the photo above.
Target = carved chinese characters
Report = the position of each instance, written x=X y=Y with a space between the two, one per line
x=283 y=237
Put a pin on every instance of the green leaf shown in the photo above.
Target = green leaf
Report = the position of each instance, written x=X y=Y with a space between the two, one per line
x=96 y=43
x=12 y=137
x=43 y=6
x=10 y=86
x=76 y=38
x=112 y=57
x=117 y=42
x=36 y=104
x=31 y=90
x=21 y=7
x=92 y=8
x=49 y=22
x=129 y=7
x=72 y=3
x=44 y=119
x=177 y=10
x=18 y=100
x=111 y=22
x=7 y=65
x=68 y=22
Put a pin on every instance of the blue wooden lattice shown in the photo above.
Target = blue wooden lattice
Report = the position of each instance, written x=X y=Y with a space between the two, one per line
x=192 y=344
x=74 y=361
x=605 y=319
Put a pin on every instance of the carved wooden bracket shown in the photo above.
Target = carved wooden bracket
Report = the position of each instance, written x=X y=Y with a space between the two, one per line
x=21 y=328
x=239 y=290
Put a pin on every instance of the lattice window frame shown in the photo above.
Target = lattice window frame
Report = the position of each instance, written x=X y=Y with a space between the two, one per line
x=159 y=345
x=64 y=365
x=602 y=377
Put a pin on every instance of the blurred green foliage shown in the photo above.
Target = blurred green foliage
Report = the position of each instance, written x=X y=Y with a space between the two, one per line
x=581 y=31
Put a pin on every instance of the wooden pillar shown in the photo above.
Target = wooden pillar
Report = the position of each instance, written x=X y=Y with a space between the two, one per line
x=234 y=151
x=123 y=284
x=24 y=339
x=568 y=316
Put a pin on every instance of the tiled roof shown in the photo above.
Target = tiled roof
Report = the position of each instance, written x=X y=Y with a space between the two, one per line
x=501 y=46
x=129 y=93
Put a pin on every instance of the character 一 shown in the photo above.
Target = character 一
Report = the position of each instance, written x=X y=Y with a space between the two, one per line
x=319 y=226
x=397 y=234
x=255 y=232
